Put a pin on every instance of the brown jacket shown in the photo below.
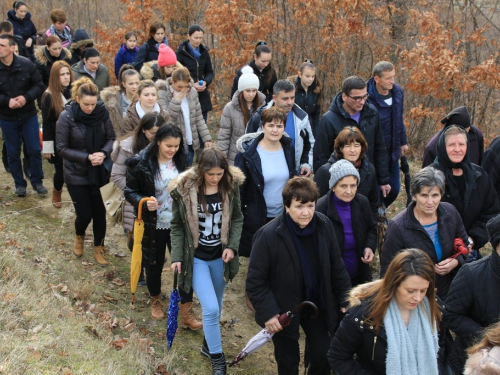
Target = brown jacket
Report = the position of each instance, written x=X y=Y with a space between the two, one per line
x=173 y=106
x=131 y=119
x=232 y=126
x=112 y=98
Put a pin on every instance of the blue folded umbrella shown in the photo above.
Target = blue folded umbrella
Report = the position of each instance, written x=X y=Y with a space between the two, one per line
x=173 y=311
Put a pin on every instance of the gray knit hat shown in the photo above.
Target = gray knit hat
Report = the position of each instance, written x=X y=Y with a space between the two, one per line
x=248 y=80
x=493 y=228
x=341 y=169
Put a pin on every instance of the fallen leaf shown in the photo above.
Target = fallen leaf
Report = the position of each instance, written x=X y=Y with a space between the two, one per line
x=118 y=282
x=109 y=298
x=118 y=343
x=129 y=327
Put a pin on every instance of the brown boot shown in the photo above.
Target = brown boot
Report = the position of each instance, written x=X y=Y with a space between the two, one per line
x=78 y=245
x=157 y=308
x=188 y=318
x=56 y=198
x=99 y=255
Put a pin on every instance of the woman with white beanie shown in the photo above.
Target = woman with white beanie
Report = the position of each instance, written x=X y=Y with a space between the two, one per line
x=246 y=100
x=350 y=214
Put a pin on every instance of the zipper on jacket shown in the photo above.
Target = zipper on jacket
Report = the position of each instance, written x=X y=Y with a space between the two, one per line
x=374 y=343
x=197 y=65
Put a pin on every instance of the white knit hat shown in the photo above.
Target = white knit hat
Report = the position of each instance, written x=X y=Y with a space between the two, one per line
x=248 y=80
x=341 y=169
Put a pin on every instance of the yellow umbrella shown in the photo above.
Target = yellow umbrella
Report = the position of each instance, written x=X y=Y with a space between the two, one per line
x=136 y=263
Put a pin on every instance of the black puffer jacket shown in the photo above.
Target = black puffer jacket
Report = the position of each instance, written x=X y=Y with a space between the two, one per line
x=367 y=184
x=472 y=305
x=309 y=101
x=20 y=78
x=23 y=27
x=199 y=70
x=147 y=52
x=405 y=232
x=44 y=61
x=336 y=119
x=70 y=145
x=491 y=164
x=481 y=206
x=363 y=225
x=253 y=204
x=274 y=280
x=265 y=84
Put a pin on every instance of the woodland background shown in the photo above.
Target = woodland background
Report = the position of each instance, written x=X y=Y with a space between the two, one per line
x=445 y=51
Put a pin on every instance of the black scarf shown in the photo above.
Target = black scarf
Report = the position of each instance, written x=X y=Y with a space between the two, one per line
x=446 y=166
x=313 y=283
x=95 y=137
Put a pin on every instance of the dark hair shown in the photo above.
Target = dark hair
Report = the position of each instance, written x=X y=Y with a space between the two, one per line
x=58 y=15
x=352 y=83
x=18 y=4
x=148 y=121
x=130 y=34
x=256 y=103
x=168 y=130
x=306 y=64
x=52 y=39
x=91 y=52
x=213 y=157
x=10 y=38
x=302 y=189
x=154 y=28
x=6 y=27
x=126 y=71
x=194 y=28
x=348 y=135
x=273 y=113
x=268 y=72
x=427 y=177
x=283 y=85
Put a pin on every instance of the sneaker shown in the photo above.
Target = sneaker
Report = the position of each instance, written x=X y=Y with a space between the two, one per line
x=204 y=349
x=20 y=191
x=40 y=189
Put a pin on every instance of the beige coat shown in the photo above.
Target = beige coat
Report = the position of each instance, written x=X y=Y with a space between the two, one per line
x=150 y=70
x=484 y=362
x=131 y=119
x=173 y=106
x=112 y=98
x=232 y=126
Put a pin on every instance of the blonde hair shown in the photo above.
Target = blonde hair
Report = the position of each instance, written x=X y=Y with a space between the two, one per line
x=83 y=87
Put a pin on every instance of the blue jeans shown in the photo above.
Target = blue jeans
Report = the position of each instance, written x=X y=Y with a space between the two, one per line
x=209 y=284
x=14 y=132
x=190 y=155
x=395 y=183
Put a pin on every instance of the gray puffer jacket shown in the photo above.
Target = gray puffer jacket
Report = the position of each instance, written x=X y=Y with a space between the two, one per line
x=232 y=126
x=122 y=150
x=167 y=101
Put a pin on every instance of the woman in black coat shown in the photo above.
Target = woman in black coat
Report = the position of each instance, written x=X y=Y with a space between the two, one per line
x=349 y=212
x=46 y=56
x=295 y=258
x=194 y=56
x=427 y=224
x=468 y=187
x=149 y=51
x=264 y=170
x=23 y=25
x=84 y=139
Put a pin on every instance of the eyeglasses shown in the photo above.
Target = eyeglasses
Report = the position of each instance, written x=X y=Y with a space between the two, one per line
x=359 y=98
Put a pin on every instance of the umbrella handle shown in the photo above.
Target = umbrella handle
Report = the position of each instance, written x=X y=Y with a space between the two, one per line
x=304 y=304
x=139 y=209
x=176 y=272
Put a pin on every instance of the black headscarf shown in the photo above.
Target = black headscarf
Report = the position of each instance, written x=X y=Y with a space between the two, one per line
x=446 y=166
x=95 y=137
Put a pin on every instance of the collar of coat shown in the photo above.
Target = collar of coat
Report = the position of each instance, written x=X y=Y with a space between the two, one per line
x=111 y=95
x=184 y=187
x=43 y=56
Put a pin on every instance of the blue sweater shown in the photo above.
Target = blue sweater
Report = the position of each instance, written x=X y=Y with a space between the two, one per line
x=124 y=56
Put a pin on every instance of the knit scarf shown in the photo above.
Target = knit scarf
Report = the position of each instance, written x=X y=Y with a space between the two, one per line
x=313 y=284
x=411 y=350
x=90 y=123
x=65 y=35
x=157 y=45
x=195 y=52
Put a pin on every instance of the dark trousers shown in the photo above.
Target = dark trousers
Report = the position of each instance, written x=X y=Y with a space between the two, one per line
x=58 y=180
x=89 y=207
x=153 y=271
x=286 y=348
x=395 y=186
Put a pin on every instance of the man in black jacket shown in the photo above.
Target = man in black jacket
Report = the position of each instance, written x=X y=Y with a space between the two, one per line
x=351 y=108
x=20 y=85
x=7 y=28
x=473 y=301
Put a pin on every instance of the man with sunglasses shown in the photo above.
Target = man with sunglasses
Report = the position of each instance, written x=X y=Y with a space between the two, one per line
x=351 y=108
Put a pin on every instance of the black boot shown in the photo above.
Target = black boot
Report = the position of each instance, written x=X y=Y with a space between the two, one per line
x=219 y=365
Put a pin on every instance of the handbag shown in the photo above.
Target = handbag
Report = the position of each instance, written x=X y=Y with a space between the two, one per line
x=113 y=202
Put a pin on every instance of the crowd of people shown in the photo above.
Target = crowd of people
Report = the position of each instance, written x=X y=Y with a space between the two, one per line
x=294 y=189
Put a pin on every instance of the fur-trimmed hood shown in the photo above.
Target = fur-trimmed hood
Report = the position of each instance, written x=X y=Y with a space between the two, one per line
x=185 y=181
x=110 y=95
x=85 y=42
x=315 y=85
x=43 y=57
x=149 y=70
x=354 y=295
x=484 y=362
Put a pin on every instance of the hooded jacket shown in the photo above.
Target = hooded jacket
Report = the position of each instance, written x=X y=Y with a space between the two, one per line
x=253 y=204
x=44 y=61
x=391 y=120
x=147 y=52
x=131 y=120
x=491 y=164
x=363 y=225
x=274 y=280
x=173 y=106
x=80 y=38
x=101 y=80
x=336 y=119
x=265 y=86
x=308 y=101
x=185 y=227
x=405 y=232
x=199 y=70
x=112 y=98
x=149 y=70
x=232 y=126
x=124 y=56
x=23 y=27
x=367 y=185
x=304 y=138
x=472 y=305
